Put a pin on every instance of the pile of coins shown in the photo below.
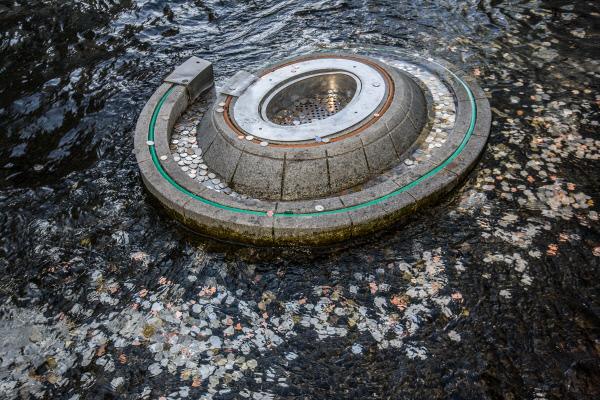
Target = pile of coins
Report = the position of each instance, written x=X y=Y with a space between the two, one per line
x=443 y=107
x=188 y=155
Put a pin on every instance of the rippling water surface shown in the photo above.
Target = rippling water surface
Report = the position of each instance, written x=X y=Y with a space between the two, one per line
x=492 y=294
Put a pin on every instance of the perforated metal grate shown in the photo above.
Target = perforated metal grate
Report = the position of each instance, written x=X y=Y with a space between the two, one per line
x=309 y=109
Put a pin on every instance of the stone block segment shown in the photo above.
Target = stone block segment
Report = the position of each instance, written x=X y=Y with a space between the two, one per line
x=258 y=177
x=195 y=74
x=347 y=170
x=381 y=155
x=222 y=157
x=305 y=179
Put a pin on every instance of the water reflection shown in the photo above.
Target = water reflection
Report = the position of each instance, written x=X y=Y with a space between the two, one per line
x=491 y=294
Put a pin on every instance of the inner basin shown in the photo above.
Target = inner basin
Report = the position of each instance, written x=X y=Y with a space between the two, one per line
x=311 y=98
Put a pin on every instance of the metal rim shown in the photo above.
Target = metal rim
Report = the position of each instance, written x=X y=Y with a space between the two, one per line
x=369 y=95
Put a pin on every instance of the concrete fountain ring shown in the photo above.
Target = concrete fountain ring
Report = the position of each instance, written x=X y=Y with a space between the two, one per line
x=313 y=150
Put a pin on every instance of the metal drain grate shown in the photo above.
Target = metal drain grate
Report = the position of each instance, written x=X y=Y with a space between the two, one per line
x=307 y=110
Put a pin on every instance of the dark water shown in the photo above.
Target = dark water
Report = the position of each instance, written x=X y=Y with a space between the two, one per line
x=492 y=294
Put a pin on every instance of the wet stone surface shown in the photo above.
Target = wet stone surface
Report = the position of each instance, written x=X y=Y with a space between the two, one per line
x=491 y=294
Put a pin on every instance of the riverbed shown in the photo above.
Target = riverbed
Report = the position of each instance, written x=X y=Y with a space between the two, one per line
x=491 y=294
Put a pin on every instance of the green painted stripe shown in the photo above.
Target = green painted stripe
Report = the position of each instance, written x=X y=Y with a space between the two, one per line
x=378 y=200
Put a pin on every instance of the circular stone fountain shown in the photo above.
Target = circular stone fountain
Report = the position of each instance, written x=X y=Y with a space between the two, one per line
x=315 y=149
